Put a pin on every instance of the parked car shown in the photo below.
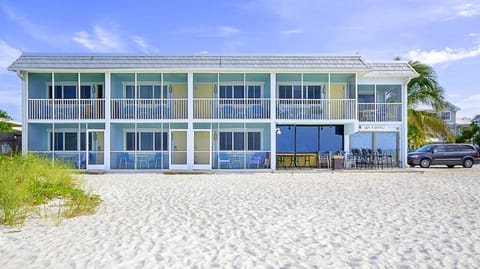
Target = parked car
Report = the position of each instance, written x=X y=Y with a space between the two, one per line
x=444 y=154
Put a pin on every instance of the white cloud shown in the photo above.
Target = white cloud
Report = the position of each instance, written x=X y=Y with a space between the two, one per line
x=33 y=29
x=468 y=10
x=8 y=54
x=143 y=45
x=101 y=40
x=292 y=31
x=220 y=31
x=443 y=56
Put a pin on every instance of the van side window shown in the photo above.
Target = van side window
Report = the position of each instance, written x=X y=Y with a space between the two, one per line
x=466 y=148
x=452 y=148
x=439 y=149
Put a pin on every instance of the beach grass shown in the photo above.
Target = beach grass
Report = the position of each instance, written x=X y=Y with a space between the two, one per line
x=27 y=182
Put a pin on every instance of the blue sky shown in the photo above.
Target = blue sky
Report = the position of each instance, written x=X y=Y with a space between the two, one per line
x=443 y=33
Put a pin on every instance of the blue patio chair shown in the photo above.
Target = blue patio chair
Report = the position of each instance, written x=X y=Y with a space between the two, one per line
x=224 y=160
x=82 y=163
x=227 y=112
x=156 y=162
x=284 y=113
x=124 y=159
x=256 y=112
x=258 y=160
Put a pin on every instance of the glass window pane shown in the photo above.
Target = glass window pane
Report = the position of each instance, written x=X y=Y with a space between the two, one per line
x=58 y=92
x=58 y=141
x=238 y=92
x=130 y=141
x=146 y=140
x=297 y=92
x=69 y=92
x=225 y=141
x=254 y=141
x=239 y=141
x=158 y=141
x=85 y=92
x=70 y=141
x=129 y=92
x=145 y=92
x=165 y=141
x=83 y=141
x=157 y=92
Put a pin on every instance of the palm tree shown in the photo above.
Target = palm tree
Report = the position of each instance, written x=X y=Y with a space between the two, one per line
x=425 y=89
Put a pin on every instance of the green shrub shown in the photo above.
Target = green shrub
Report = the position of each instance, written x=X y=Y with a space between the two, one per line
x=28 y=181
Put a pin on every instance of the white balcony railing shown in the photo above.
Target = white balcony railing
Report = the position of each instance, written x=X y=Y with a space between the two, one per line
x=231 y=108
x=379 y=112
x=149 y=108
x=66 y=109
x=316 y=109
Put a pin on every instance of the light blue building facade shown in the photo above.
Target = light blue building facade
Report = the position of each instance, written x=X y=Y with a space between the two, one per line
x=210 y=112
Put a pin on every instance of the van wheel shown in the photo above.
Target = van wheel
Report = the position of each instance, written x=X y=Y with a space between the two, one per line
x=450 y=166
x=425 y=163
x=468 y=163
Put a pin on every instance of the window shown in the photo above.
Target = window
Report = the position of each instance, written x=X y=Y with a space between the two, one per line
x=67 y=141
x=296 y=92
x=236 y=141
x=254 y=141
x=146 y=91
x=240 y=92
x=91 y=91
x=146 y=141
x=445 y=115
x=225 y=141
x=254 y=91
x=63 y=92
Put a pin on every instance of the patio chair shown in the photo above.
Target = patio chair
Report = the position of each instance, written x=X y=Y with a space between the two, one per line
x=257 y=161
x=156 y=162
x=324 y=158
x=284 y=113
x=124 y=158
x=256 y=112
x=82 y=163
x=227 y=112
x=224 y=160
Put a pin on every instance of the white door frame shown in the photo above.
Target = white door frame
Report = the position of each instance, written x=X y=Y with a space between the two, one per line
x=173 y=166
x=87 y=150
x=203 y=166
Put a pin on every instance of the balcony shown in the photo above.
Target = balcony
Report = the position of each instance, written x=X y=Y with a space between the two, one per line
x=379 y=112
x=66 y=109
x=231 y=108
x=316 y=109
x=146 y=109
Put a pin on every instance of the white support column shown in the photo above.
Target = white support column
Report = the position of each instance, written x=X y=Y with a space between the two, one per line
x=107 y=136
x=190 y=137
x=403 y=130
x=24 y=77
x=273 y=121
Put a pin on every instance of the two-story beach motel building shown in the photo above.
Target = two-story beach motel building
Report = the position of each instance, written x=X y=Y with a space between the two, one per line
x=210 y=112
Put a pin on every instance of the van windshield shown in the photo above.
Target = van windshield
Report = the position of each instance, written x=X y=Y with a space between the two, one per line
x=426 y=148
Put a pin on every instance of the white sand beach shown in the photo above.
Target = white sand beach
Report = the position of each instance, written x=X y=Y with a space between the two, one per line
x=264 y=220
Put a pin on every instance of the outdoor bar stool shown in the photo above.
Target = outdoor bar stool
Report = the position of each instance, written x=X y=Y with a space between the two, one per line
x=307 y=159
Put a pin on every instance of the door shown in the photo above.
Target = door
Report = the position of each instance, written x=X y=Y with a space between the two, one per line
x=178 y=149
x=202 y=149
x=95 y=149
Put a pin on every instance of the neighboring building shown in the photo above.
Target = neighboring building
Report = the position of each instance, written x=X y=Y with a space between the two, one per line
x=476 y=120
x=462 y=124
x=210 y=112
x=11 y=141
x=449 y=116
